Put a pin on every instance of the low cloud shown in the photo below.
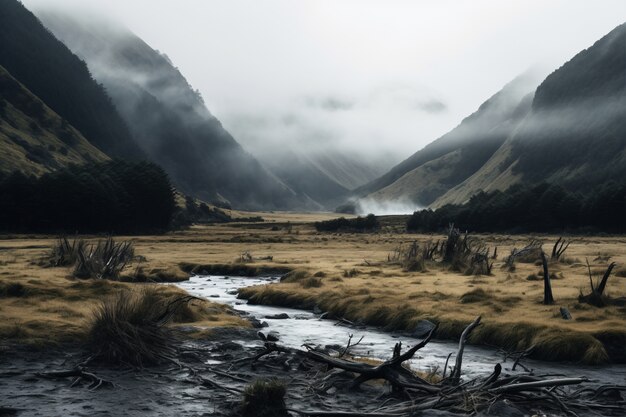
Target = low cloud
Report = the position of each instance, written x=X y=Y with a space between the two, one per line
x=366 y=206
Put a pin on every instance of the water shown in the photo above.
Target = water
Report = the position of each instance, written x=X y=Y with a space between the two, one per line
x=304 y=327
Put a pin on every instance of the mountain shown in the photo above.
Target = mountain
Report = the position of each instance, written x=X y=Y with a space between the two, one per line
x=575 y=132
x=451 y=159
x=33 y=138
x=324 y=175
x=57 y=77
x=168 y=119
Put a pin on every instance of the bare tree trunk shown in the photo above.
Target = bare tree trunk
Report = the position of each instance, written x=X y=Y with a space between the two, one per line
x=605 y=278
x=547 y=287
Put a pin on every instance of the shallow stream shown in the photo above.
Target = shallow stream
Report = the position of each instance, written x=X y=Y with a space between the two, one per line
x=305 y=327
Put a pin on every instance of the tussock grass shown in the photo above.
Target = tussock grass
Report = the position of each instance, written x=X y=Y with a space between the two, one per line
x=477 y=295
x=311 y=282
x=105 y=259
x=13 y=289
x=296 y=276
x=64 y=252
x=129 y=328
x=264 y=398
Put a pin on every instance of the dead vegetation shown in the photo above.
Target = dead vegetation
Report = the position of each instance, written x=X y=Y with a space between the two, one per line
x=597 y=297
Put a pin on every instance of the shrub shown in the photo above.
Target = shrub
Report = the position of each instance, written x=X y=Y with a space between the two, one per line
x=359 y=224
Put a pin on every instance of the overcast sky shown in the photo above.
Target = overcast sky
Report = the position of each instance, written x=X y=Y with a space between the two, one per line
x=390 y=75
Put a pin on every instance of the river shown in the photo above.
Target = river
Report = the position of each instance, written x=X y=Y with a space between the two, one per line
x=305 y=327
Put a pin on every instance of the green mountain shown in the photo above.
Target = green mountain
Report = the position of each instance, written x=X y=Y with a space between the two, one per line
x=451 y=159
x=51 y=72
x=33 y=138
x=575 y=132
x=570 y=131
x=168 y=119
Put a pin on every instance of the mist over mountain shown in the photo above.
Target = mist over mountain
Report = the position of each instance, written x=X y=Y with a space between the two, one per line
x=575 y=132
x=168 y=119
x=571 y=131
x=426 y=175
x=50 y=71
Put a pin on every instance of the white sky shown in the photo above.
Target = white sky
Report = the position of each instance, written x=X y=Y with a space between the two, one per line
x=388 y=75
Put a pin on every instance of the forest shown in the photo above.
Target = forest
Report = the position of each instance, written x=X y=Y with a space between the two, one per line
x=109 y=197
x=540 y=208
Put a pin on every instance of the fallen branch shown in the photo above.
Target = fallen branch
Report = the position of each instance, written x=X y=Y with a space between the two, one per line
x=78 y=374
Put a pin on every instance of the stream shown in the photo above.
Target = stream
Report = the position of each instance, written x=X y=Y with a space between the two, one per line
x=305 y=327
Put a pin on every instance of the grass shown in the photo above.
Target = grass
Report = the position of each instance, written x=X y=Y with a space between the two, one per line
x=130 y=328
x=477 y=295
x=264 y=398
x=380 y=292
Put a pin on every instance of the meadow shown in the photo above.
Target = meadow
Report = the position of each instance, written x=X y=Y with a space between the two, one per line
x=352 y=276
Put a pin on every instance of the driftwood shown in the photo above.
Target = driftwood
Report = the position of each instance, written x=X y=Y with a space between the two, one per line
x=455 y=376
x=534 y=247
x=79 y=374
x=453 y=394
x=391 y=370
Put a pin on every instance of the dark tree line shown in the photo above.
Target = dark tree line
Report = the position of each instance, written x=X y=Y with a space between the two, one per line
x=539 y=208
x=358 y=224
x=111 y=197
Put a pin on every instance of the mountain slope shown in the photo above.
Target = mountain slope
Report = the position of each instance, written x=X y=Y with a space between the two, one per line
x=33 y=138
x=168 y=118
x=56 y=76
x=575 y=133
x=449 y=160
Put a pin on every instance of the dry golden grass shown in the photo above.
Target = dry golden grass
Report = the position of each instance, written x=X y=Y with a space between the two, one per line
x=48 y=306
x=348 y=275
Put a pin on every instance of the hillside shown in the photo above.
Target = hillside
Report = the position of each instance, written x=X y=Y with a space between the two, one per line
x=455 y=156
x=575 y=132
x=47 y=68
x=33 y=138
x=325 y=175
x=169 y=119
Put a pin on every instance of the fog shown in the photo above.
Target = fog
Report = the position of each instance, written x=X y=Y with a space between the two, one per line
x=364 y=206
x=383 y=77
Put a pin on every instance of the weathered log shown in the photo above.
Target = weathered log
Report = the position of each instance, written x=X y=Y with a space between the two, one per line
x=525 y=386
x=455 y=376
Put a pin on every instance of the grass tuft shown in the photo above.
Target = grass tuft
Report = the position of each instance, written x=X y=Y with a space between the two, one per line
x=14 y=289
x=264 y=398
x=475 y=296
x=311 y=282
x=129 y=328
